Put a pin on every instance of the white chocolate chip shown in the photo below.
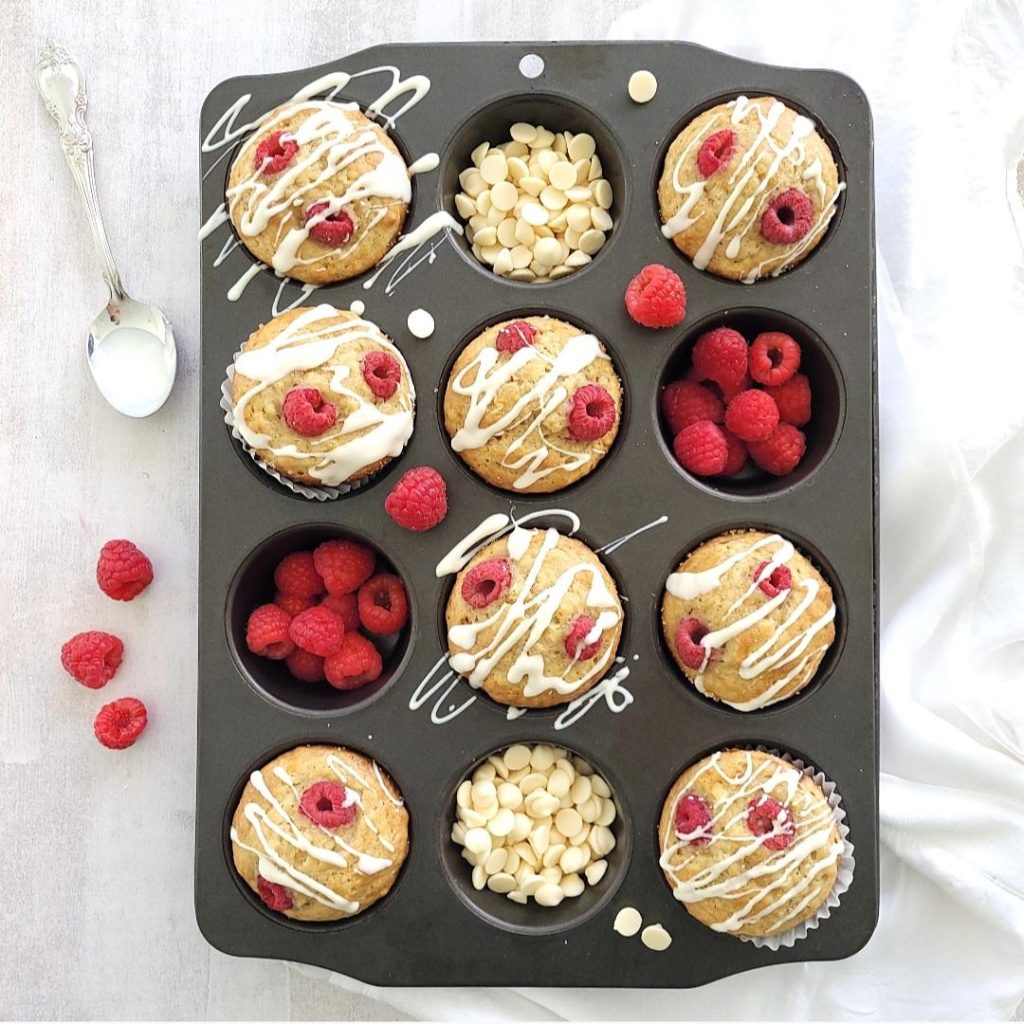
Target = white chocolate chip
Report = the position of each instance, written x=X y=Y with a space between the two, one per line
x=607 y=815
x=501 y=881
x=579 y=193
x=547 y=251
x=532 y=185
x=562 y=175
x=465 y=205
x=591 y=241
x=495 y=216
x=568 y=821
x=472 y=183
x=483 y=202
x=572 y=885
x=522 y=274
x=543 y=138
x=551 y=874
x=628 y=921
x=479 y=153
x=642 y=86
x=527 y=855
x=559 y=783
x=577 y=259
x=486 y=236
x=572 y=859
x=581 y=147
x=581 y=837
x=560 y=271
x=518 y=897
x=494 y=167
x=524 y=233
x=462 y=794
x=500 y=768
x=511 y=861
x=479 y=877
x=514 y=148
x=553 y=855
x=521 y=829
x=603 y=193
x=601 y=840
x=523 y=132
x=583 y=767
x=596 y=170
x=534 y=214
x=539 y=839
x=655 y=937
x=601 y=219
x=578 y=217
x=600 y=786
x=478 y=840
x=533 y=781
x=496 y=861
x=503 y=261
x=532 y=883
x=472 y=817
x=504 y=196
x=595 y=871
x=420 y=323
x=502 y=823
x=510 y=795
x=459 y=833
x=581 y=788
x=549 y=895
x=522 y=256
x=590 y=809
x=516 y=757
x=483 y=793
x=506 y=232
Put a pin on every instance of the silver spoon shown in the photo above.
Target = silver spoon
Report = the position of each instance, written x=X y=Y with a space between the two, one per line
x=130 y=347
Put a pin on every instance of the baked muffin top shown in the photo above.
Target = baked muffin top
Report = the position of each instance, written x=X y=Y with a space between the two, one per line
x=748 y=188
x=322 y=396
x=534 y=619
x=749 y=843
x=532 y=404
x=320 y=833
x=319 y=192
x=748 y=619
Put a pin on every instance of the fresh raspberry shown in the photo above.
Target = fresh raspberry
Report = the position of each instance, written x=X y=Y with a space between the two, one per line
x=767 y=817
x=328 y=804
x=306 y=412
x=781 y=452
x=274 y=896
x=292 y=603
x=296 y=574
x=309 y=668
x=514 y=336
x=752 y=415
x=355 y=664
x=382 y=373
x=274 y=153
x=689 y=634
x=120 y=723
x=419 y=501
x=793 y=400
x=383 y=604
x=266 y=632
x=778 y=580
x=716 y=152
x=721 y=355
x=656 y=297
x=692 y=819
x=788 y=218
x=578 y=631
x=123 y=571
x=774 y=358
x=345 y=605
x=685 y=402
x=335 y=229
x=344 y=565
x=736 y=456
x=317 y=630
x=92 y=658
x=591 y=413
x=701 y=448
x=486 y=582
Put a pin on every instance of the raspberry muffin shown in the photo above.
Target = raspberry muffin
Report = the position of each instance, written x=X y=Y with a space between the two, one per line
x=749 y=844
x=748 y=619
x=748 y=189
x=322 y=396
x=320 y=833
x=533 y=404
x=534 y=619
x=318 y=192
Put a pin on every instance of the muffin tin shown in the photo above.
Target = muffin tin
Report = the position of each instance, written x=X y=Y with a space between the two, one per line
x=433 y=928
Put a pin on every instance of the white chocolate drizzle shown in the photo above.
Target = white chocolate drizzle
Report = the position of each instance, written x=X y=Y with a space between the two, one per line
x=773 y=879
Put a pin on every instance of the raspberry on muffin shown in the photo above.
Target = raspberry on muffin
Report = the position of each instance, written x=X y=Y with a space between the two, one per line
x=533 y=405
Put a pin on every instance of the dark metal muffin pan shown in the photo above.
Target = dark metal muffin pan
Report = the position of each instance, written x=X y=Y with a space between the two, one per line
x=433 y=928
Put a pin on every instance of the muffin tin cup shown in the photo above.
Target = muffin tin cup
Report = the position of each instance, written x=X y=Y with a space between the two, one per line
x=428 y=730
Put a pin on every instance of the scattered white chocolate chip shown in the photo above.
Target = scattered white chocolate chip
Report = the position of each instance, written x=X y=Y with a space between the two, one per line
x=628 y=921
x=421 y=323
x=642 y=86
x=655 y=937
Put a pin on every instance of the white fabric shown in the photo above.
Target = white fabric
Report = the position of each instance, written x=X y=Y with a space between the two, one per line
x=942 y=80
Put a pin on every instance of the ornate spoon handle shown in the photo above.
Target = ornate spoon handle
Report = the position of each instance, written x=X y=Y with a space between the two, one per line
x=62 y=87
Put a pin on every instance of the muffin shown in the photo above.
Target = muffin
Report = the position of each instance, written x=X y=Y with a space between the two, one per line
x=749 y=844
x=319 y=192
x=532 y=404
x=748 y=189
x=534 y=619
x=320 y=833
x=322 y=396
x=748 y=619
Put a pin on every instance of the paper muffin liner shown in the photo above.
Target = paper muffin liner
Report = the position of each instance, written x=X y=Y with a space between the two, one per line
x=844 y=876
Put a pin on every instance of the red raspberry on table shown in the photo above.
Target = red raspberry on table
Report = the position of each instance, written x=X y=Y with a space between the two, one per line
x=689 y=634
x=119 y=724
x=317 y=630
x=382 y=373
x=328 y=804
x=383 y=604
x=419 y=501
x=721 y=355
x=355 y=664
x=345 y=605
x=123 y=571
x=309 y=668
x=779 y=579
x=736 y=455
x=306 y=412
x=292 y=603
x=793 y=400
x=334 y=229
x=266 y=632
x=578 y=631
x=514 y=336
x=592 y=413
x=92 y=658
x=767 y=817
x=788 y=218
x=656 y=297
x=701 y=448
x=774 y=358
x=275 y=153
x=752 y=415
x=692 y=820
x=716 y=152
x=486 y=582
x=274 y=896
x=685 y=401
x=344 y=565
x=781 y=452
x=296 y=574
